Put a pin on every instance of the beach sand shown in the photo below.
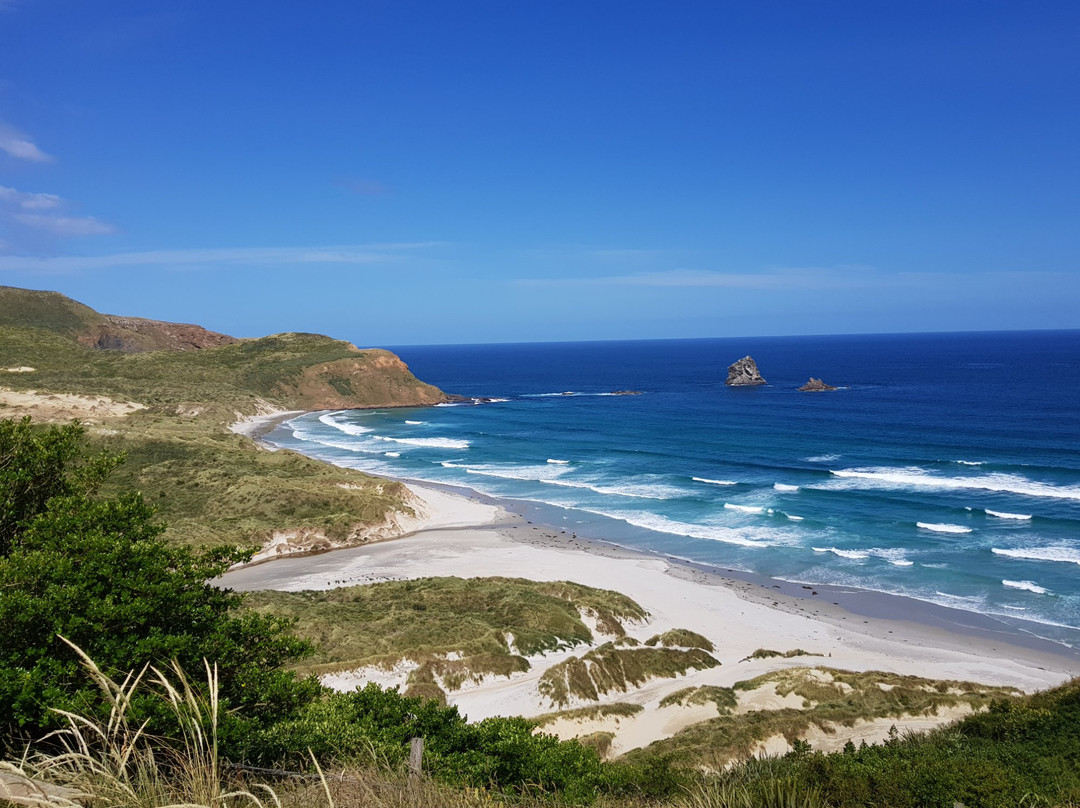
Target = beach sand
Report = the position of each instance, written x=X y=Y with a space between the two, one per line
x=468 y=537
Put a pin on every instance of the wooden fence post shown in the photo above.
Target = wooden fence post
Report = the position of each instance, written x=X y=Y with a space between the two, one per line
x=416 y=759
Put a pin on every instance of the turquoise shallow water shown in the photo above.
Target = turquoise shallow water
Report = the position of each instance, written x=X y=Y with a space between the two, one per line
x=946 y=468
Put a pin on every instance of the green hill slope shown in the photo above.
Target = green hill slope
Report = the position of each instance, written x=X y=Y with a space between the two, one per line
x=210 y=484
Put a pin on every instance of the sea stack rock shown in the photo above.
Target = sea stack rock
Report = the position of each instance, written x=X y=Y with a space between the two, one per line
x=815 y=386
x=744 y=373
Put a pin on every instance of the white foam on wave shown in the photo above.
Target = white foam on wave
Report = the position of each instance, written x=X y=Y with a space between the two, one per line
x=942 y=528
x=428 y=443
x=414 y=423
x=533 y=474
x=975 y=599
x=1061 y=553
x=892 y=556
x=566 y=393
x=1002 y=515
x=306 y=436
x=785 y=487
x=854 y=555
x=825 y=458
x=637 y=491
x=914 y=477
x=737 y=536
x=713 y=482
x=1027 y=586
x=793 y=517
x=731 y=506
x=392 y=454
x=969 y=462
x=558 y=462
x=343 y=426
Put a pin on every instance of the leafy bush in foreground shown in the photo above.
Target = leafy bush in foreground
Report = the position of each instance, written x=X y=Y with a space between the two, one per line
x=96 y=571
x=500 y=753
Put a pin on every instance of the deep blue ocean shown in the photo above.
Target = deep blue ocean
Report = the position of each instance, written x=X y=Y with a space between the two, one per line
x=946 y=468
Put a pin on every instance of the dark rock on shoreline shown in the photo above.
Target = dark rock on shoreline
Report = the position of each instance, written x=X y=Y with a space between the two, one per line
x=815 y=386
x=744 y=373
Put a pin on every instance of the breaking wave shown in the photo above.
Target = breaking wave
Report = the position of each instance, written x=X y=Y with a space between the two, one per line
x=1069 y=555
x=713 y=482
x=1001 y=515
x=942 y=528
x=914 y=477
x=1028 y=586
x=428 y=443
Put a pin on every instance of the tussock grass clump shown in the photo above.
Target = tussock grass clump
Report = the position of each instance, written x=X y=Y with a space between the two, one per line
x=681 y=638
x=113 y=762
x=490 y=622
x=609 y=668
x=600 y=741
x=724 y=698
x=741 y=789
x=768 y=653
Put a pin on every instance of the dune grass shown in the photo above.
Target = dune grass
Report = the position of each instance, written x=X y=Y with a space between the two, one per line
x=831 y=698
x=768 y=653
x=611 y=668
x=619 y=709
x=493 y=622
x=724 y=698
x=681 y=638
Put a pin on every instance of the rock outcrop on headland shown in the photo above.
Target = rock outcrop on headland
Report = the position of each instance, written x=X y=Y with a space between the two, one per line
x=744 y=373
x=815 y=386
x=136 y=334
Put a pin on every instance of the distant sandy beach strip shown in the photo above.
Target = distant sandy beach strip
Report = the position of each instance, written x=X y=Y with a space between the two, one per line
x=472 y=537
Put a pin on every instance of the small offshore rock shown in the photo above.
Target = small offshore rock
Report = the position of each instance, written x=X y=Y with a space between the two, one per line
x=744 y=372
x=815 y=386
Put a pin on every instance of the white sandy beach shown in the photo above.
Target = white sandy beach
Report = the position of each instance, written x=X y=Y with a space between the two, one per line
x=467 y=537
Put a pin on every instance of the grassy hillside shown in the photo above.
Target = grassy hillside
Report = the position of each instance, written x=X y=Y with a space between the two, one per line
x=209 y=484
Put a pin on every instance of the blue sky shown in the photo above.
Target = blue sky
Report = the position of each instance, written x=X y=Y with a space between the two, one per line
x=397 y=172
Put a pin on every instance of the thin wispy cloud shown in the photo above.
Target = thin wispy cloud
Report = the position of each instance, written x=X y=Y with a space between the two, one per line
x=65 y=226
x=19 y=145
x=693 y=278
x=232 y=256
x=39 y=214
